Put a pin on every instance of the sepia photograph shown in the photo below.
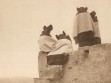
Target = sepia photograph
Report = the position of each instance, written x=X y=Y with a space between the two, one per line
x=55 y=41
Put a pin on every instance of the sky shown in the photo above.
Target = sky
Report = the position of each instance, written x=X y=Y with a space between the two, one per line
x=21 y=23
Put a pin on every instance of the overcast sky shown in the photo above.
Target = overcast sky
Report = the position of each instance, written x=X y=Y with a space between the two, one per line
x=21 y=22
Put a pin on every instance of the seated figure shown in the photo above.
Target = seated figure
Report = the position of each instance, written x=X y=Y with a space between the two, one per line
x=46 y=42
x=63 y=48
x=84 y=32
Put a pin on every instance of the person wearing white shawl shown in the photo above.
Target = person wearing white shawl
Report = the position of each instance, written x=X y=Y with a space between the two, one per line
x=63 y=48
x=96 y=28
x=46 y=42
x=85 y=29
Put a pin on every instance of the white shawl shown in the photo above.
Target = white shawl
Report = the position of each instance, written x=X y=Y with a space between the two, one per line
x=46 y=43
x=83 y=22
x=96 y=29
x=62 y=46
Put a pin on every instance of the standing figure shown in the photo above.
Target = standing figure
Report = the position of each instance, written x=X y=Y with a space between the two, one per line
x=85 y=33
x=97 y=37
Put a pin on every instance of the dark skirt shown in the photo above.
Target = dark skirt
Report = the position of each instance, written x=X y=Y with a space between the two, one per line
x=58 y=59
x=87 y=39
x=90 y=42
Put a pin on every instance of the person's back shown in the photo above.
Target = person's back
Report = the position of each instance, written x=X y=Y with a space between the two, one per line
x=86 y=32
